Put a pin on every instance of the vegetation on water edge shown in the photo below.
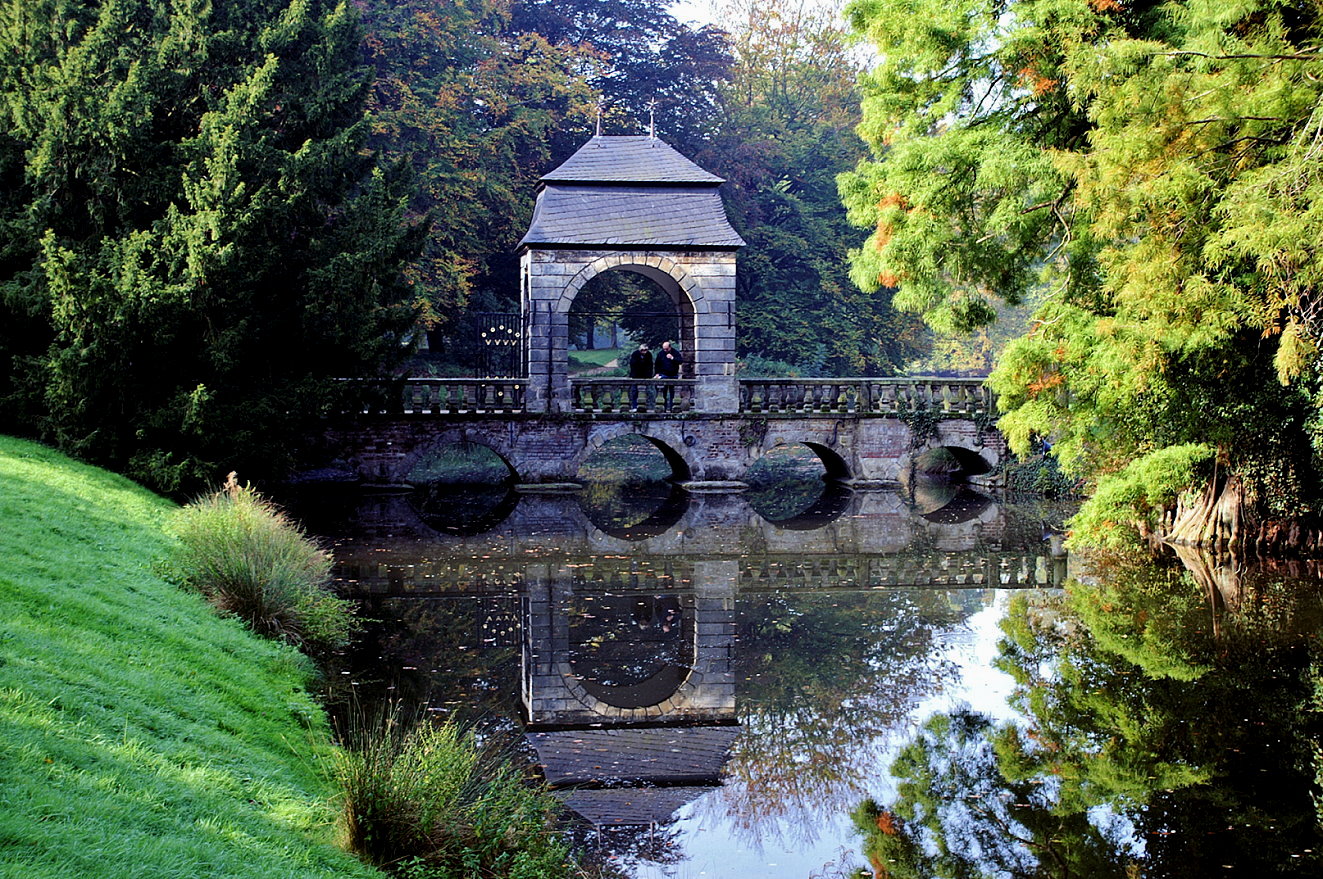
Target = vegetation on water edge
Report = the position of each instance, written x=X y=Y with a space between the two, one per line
x=140 y=733
x=1149 y=175
x=426 y=800
x=250 y=560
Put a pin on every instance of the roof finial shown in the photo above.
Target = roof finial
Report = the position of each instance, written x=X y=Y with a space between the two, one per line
x=652 y=119
x=599 y=118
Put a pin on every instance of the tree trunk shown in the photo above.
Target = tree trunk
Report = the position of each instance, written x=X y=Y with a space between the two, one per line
x=1223 y=519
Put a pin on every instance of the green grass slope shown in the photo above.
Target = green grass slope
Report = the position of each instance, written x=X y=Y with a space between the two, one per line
x=140 y=735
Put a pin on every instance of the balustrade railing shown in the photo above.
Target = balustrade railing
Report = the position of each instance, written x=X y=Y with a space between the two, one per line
x=957 y=397
x=613 y=395
x=437 y=396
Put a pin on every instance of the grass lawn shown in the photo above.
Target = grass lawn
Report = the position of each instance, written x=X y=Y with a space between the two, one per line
x=595 y=359
x=140 y=734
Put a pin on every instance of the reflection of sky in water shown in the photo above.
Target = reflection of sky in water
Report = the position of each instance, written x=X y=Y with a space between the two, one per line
x=808 y=843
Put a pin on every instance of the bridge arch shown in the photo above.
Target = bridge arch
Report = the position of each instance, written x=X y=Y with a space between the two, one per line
x=416 y=458
x=665 y=438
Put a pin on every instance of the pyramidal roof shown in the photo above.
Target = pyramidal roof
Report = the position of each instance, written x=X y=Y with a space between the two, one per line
x=629 y=159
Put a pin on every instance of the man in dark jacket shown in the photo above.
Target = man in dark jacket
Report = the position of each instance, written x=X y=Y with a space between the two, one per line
x=640 y=366
x=668 y=367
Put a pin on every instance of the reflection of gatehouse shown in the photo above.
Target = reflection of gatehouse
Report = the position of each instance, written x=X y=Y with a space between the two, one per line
x=597 y=655
x=633 y=204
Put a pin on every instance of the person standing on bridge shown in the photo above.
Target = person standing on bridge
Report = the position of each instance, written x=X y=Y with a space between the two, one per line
x=640 y=366
x=668 y=367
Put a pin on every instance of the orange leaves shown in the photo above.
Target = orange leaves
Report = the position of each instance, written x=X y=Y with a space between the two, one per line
x=1036 y=82
x=1105 y=6
x=886 y=822
x=1045 y=382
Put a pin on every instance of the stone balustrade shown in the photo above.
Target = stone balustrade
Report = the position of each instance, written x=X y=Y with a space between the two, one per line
x=437 y=396
x=953 y=397
x=612 y=394
x=956 y=397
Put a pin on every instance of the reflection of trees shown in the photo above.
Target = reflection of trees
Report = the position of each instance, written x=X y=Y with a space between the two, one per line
x=450 y=655
x=1165 y=736
x=823 y=678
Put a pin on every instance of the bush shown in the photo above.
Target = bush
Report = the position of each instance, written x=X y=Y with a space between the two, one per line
x=1137 y=495
x=251 y=560
x=427 y=801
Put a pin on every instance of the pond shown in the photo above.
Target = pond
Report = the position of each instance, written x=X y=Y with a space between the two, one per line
x=803 y=682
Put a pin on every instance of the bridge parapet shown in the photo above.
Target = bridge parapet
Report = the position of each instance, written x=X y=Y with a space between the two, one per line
x=953 y=397
x=437 y=396
x=612 y=394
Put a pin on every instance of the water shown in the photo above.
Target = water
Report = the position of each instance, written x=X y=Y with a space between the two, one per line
x=716 y=683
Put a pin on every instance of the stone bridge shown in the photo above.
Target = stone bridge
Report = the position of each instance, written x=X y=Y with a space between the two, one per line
x=634 y=205
x=866 y=431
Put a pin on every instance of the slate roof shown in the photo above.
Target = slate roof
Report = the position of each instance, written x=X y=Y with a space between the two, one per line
x=630 y=192
x=631 y=159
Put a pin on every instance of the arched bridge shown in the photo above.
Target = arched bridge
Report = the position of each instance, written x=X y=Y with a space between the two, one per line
x=634 y=205
x=864 y=430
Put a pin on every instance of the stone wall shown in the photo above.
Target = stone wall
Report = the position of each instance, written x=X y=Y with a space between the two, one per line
x=701 y=284
x=551 y=448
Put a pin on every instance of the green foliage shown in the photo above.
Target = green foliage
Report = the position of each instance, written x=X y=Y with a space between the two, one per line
x=472 y=103
x=921 y=419
x=789 y=111
x=250 y=560
x=1040 y=474
x=426 y=800
x=1185 y=725
x=1139 y=493
x=1149 y=171
x=140 y=733
x=198 y=230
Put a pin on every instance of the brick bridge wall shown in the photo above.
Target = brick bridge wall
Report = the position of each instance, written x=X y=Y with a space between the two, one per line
x=551 y=448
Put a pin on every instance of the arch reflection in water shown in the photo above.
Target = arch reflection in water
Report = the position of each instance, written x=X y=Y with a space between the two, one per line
x=463 y=510
x=634 y=511
x=798 y=486
x=635 y=646
x=944 y=502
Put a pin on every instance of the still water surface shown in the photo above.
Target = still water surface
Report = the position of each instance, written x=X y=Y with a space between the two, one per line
x=716 y=683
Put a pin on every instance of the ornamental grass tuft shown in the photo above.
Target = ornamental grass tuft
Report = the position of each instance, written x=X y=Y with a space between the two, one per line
x=252 y=561
x=426 y=800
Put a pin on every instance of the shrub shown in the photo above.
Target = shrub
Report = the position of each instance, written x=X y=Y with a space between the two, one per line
x=427 y=801
x=251 y=560
x=1137 y=495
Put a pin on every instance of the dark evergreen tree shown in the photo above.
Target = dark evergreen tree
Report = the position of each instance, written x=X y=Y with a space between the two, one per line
x=196 y=241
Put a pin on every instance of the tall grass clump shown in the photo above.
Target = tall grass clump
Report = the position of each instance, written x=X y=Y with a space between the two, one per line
x=425 y=800
x=252 y=561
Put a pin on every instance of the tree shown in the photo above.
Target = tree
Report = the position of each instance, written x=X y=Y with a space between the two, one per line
x=786 y=131
x=1147 y=164
x=197 y=242
x=475 y=105
x=652 y=65
x=1143 y=720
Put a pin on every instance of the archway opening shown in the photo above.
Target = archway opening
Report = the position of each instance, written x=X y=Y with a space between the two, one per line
x=617 y=310
x=798 y=486
x=634 y=649
x=462 y=488
x=952 y=463
x=630 y=487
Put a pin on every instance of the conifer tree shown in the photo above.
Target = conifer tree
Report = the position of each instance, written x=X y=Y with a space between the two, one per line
x=195 y=241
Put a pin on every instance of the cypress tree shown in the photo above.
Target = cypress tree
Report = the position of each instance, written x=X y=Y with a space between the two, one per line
x=193 y=238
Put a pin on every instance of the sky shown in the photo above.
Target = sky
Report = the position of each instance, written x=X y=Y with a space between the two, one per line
x=692 y=10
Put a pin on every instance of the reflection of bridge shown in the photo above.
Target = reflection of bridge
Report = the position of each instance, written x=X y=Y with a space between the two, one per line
x=634 y=205
x=627 y=634
x=876 y=540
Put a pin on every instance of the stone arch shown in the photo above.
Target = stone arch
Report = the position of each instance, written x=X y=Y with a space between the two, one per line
x=665 y=441
x=664 y=271
x=496 y=442
x=953 y=461
x=836 y=467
